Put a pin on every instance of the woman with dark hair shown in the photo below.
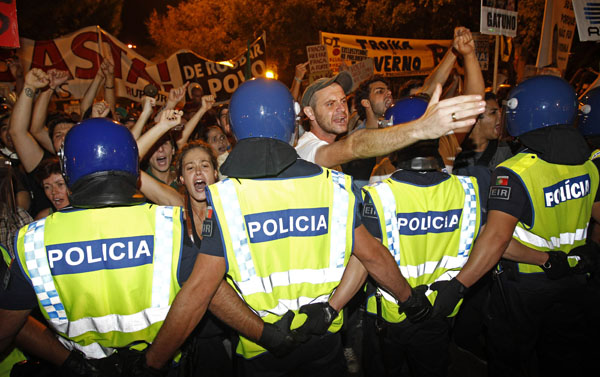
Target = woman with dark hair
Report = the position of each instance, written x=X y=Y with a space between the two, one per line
x=196 y=168
x=50 y=177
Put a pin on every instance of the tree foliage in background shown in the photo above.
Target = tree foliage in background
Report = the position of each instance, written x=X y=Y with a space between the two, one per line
x=42 y=20
x=219 y=29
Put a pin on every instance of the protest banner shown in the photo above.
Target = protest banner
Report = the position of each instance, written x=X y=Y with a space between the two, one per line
x=498 y=17
x=81 y=52
x=587 y=14
x=482 y=50
x=9 y=30
x=361 y=71
x=317 y=58
x=392 y=57
x=557 y=34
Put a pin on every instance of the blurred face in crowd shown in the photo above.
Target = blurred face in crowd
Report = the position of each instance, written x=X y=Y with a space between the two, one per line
x=197 y=172
x=330 y=110
x=161 y=159
x=5 y=136
x=196 y=95
x=217 y=140
x=55 y=189
x=489 y=121
x=380 y=97
x=60 y=131
x=224 y=120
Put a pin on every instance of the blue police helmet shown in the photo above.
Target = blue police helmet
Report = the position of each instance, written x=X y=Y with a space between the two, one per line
x=539 y=102
x=262 y=108
x=589 y=113
x=98 y=145
x=405 y=110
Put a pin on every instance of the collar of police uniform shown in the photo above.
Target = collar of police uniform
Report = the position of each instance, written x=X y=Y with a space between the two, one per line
x=560 y=144
x=258 y=158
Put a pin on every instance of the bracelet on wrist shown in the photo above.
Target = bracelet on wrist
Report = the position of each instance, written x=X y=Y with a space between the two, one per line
x=109 y=87
x=297 y=79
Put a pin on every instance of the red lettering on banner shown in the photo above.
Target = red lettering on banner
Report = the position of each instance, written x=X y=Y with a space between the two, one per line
x=42 y=49
x=80 y=50
x=116 y=52
x=138 y=69
x=163 y=72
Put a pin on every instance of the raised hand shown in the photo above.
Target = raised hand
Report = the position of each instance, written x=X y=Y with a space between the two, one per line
x=107 y=68
x=463 y=41
x=37 y=78
x=177 y=94
x=170 y=118
x=300 y=71
x=57 y=78
x=444 y=116
x=208 y=102
x=148 y=104
x=100 y=109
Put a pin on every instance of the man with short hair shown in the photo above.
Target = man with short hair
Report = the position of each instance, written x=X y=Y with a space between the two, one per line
x=324 y=103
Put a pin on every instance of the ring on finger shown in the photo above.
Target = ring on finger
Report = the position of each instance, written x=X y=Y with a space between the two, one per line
x=454 y=119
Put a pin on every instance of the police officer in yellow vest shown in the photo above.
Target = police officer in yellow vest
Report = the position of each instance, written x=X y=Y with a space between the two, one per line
x=428 y=220
x=105 y=272
x=287 y=231
x=539 y=207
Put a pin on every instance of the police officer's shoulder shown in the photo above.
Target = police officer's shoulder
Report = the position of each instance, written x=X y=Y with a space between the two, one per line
x=418 y=178
x=300 y=168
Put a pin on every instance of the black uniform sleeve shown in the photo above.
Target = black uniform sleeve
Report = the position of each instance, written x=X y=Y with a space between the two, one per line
x=597 y=163
x=19 y=295
x=509 y=195
x=369 y=217
x=358 y=206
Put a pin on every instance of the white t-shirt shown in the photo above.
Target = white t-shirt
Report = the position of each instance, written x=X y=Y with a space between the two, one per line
x=307 y=147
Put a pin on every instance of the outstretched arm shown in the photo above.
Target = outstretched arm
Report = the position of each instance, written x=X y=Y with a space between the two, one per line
x=168 y=119
x=159 y=192
x=90 y=93
x=148 y=104
x=208 y=102
x=299 y=75
x=108 y=69
x=29 y=151
x=40 y=109
x=187 y=309
x=437 y=121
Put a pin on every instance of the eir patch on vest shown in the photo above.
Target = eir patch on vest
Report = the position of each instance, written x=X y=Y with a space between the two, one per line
x=499 y=192
x=369 y=210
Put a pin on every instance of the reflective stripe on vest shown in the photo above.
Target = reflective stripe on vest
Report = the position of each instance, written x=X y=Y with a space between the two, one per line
x=554 y=242
x=43 y=284
x=451 y=263
x=251 y=283
x=391 y=220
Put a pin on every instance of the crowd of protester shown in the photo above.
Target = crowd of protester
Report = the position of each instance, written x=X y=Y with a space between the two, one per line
x=183 y=145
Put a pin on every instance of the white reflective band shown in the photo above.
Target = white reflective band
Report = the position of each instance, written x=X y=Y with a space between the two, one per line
x=284 y=305
x=339 y=219
x=391 y=222
x=256 y=284
x=39 y=270
x=91 y=351
x=163 y=256
x=114 y=322
x=447 y=262
x=554 y=242
x=237 y=229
